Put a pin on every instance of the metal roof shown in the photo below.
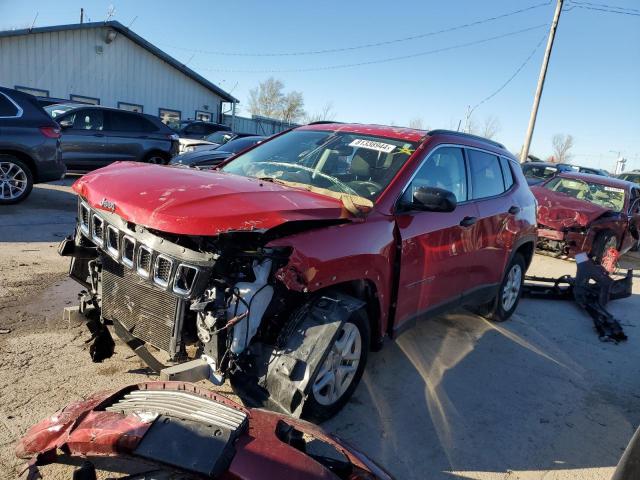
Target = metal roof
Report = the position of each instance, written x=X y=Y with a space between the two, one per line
x=118 y=27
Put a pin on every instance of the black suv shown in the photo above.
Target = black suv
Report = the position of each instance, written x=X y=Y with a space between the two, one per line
x=198 y=129
x=94 y=136
x=29 y=146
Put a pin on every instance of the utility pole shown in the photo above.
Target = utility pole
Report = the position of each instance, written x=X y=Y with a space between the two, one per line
x=541 y=78
x=82 y=15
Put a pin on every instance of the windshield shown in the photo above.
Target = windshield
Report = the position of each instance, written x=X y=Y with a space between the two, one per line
x=239 y=144
x=602 y=195
x=630 y=177
x=57 y=110
x=341 y=162
x=219 y=137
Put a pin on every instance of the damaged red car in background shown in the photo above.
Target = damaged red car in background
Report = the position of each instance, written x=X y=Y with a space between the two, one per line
x=175 y=431
x=282 y=269
x=579 y=212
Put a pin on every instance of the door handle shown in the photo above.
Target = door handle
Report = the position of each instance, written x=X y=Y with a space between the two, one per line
x=514 y=210
x=468 y=221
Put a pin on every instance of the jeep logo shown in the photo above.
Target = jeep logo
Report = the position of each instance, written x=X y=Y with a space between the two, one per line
x=107 y=205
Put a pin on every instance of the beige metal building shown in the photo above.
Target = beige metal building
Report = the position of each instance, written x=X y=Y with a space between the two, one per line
x=108 y=64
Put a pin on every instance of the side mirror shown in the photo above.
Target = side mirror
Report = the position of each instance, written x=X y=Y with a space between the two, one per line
x=433 y=199
x=65 y=124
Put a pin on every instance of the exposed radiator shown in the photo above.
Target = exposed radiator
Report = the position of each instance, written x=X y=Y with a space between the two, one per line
x=149 y=313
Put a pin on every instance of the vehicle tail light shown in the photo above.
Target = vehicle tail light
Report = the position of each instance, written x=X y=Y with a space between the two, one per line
x=50 y=132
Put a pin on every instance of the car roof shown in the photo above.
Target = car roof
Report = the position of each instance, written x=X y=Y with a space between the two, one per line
x=600 y=179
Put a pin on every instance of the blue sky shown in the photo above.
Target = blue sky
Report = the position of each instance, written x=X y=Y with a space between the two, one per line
x=592 y=89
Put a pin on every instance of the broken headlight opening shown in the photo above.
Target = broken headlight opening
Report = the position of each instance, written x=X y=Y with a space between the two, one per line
x=206 y=302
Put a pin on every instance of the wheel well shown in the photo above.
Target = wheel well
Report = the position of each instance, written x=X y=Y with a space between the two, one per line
x=366 y=291
x=25 y=158
x=160 y=153
x=526 y=250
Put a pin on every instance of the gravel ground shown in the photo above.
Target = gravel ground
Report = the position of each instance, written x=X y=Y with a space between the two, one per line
x=539 y=397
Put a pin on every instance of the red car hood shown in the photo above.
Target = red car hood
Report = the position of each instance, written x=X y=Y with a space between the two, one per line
x=558 y=211
x=115 y=441
x=192 y=202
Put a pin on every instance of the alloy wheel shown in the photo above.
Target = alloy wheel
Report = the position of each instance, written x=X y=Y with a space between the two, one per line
x=13 y=181
x=340 y=366
x=511 y=288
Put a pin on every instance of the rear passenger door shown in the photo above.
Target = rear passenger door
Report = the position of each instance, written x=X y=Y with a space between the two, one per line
x=130 y=136
x=491 y=186
x=84 y=144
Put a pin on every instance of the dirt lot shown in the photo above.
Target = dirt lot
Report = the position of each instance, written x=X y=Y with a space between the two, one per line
x=539 y=397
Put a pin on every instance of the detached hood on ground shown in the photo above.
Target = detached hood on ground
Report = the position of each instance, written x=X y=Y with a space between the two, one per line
x=559 y=211
x=146 y=427
x=190 y=202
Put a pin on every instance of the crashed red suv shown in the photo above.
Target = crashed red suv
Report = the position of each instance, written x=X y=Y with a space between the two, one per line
x=579 y=212
x=286 y=266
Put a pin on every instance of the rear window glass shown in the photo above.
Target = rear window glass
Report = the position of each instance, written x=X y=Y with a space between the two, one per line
x=128 y=122
x=7 y=108
x=486 y=174
x=506 y=173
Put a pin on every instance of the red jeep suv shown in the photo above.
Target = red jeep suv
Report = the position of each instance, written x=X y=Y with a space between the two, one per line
x=284 y=267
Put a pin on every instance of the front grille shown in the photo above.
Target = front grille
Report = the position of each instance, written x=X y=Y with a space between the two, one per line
x=180 y=404
x=185 y=279
x=97 y=230
x=84 y=218
x=162 y=270
x=144 y=261
x=148 y=312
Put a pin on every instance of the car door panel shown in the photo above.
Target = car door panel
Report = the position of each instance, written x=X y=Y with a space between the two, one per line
x=437 y=248
x=84 y=144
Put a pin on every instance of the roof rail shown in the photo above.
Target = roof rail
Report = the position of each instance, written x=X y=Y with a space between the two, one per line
x=322 y=122
x=465 y=135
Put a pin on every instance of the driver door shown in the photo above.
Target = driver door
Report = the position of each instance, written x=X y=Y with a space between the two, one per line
x=84 y=144
x=438 y=249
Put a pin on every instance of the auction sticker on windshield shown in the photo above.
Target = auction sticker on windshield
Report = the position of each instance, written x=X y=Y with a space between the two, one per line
x=371 y=145
x=613 y=189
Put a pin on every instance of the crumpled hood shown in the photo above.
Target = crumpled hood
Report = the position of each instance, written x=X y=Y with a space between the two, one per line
x=559 y=211
x=191 y=202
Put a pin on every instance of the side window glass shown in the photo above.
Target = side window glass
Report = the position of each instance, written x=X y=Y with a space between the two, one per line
x=486 y=174
x=88 y=120
x=7 y=109
x=507 y=175
x=443 y=169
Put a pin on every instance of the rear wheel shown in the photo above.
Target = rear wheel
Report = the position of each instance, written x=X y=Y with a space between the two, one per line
x=506 y=301
x=16 y=180
x=156 y=158
x=337 y=378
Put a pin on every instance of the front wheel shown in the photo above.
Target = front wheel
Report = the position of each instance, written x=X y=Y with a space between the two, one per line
x=601 y=245
x=338 y=376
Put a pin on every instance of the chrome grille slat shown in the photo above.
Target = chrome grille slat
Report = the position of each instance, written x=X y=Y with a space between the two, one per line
x=128 y=250
x=97 y=229
x=162 y=270
x=145 y=256
x=112 y=241
x=84 y=218
x=180 y=404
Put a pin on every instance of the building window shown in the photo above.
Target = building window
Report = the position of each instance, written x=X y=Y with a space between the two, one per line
x=130 y=107
x=84 y=99
x=170 y=117
x=203 y=116
x=36 y=92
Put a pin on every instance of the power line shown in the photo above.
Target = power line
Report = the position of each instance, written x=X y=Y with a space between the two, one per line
x=603 y=5
x=601 y=9
x=510 y=79
x=383 y=60
x=365 y=45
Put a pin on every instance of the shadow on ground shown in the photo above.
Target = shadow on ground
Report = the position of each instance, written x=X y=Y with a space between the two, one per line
x=46 y=215
x=460 y=394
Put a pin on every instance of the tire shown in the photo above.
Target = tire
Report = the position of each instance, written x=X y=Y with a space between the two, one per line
x=16 y=180
x=320 y=405
x=604 y=240
x=506 y=301
x=156 y=158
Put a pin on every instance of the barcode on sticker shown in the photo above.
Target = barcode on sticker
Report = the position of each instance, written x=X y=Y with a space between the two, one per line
x=613 y=189
x=371 y=145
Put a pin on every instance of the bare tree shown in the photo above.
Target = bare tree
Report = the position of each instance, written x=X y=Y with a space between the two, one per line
x=491 y=126
x=266 y=99
x=561 y=145
x=417 y=123
x=325 y=113
x=292 y=108
x=269 y=100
